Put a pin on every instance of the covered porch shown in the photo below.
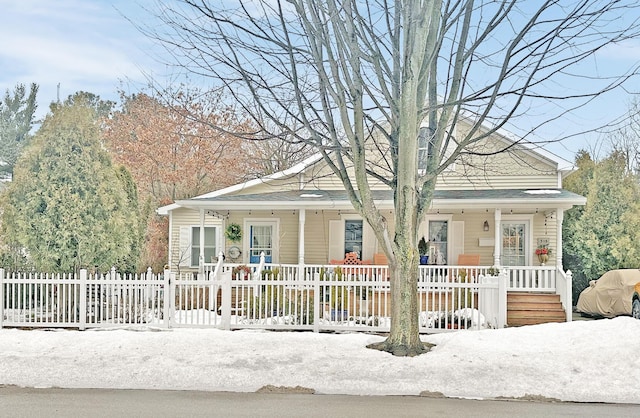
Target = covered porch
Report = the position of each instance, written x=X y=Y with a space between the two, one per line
x=305 y=233
x=503 y=227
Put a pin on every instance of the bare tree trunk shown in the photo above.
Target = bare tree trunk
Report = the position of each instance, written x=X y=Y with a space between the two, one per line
x=404 y=338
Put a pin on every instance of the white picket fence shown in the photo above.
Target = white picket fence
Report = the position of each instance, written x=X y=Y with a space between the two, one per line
x=271 y=297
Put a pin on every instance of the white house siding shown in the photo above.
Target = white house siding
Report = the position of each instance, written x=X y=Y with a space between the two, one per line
x=321 y=177
x=288 y=239
x=456 y=182
x=518 y=169
x=503 y=171
x=473 y=231
x=511 y=170
x=316 y=235
x=278 y=185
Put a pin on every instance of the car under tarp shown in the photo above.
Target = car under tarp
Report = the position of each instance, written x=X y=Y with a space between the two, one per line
x=611 y=295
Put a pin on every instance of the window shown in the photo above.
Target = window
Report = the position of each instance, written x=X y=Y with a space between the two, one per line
x=351 y=233
x=209 y=245
x=438 y=242
x=353 y=237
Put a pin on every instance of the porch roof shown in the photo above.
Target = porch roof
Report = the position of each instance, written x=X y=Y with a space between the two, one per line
x=443 y=199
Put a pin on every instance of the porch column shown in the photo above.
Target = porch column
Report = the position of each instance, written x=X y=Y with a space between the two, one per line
x=559 y=220
x=497 y=236
x=302 y=215
x=201 y=256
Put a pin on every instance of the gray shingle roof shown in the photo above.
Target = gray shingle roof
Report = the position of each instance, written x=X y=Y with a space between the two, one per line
x=384 y=198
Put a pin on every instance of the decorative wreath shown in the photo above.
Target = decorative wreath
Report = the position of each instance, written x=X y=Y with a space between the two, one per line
x=233 y=232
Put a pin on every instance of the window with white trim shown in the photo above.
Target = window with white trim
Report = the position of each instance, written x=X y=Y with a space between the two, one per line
x=210 y=233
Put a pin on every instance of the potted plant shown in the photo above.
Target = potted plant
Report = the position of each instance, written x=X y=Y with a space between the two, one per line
x=543 y=252
x=242 y=272
x=493 y=271
x=423 y=249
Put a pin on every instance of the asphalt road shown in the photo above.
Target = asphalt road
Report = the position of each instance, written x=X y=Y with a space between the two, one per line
x=29 y=402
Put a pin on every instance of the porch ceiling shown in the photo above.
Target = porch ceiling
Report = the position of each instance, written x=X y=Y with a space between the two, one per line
x=443 y=199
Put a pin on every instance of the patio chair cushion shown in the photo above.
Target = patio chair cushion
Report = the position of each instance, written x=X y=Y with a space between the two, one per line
x=469 y=260
x=380 y=259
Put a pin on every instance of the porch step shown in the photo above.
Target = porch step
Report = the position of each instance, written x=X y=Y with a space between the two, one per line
x=533 y=308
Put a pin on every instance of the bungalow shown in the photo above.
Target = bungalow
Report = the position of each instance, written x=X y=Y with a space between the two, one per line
x=500 y=208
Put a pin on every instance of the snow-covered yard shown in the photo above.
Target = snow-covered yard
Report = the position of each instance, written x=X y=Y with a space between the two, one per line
x=584 y=361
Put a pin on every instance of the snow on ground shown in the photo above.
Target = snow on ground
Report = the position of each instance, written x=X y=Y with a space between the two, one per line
x=583 y=361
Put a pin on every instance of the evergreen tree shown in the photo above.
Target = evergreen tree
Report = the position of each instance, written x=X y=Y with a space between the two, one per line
x=68 y=206
x=605 y=234
x=16 y=119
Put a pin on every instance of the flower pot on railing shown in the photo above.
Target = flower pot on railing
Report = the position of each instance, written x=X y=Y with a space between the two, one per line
x=543 y=252
x=424 y=260
x=543 y=258
x=241 y=272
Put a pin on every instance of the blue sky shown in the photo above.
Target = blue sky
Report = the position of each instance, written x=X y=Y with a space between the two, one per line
x=90 y=45
x=79 y=44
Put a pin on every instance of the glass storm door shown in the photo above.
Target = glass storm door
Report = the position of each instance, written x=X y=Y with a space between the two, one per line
x=438 y=242
x=353 y=237
x=514 y=244
x=261 y=240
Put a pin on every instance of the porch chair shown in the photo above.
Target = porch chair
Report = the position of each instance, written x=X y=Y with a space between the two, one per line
x=379 y=259
x=469 y=260
x=351 y=259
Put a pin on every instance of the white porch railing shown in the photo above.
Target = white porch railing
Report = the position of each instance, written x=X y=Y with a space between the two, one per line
x=532 y=278
x=309 y=297
x=330 y=297
x=564 y=289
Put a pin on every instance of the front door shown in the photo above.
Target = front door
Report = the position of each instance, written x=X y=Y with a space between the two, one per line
x=514 y=244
